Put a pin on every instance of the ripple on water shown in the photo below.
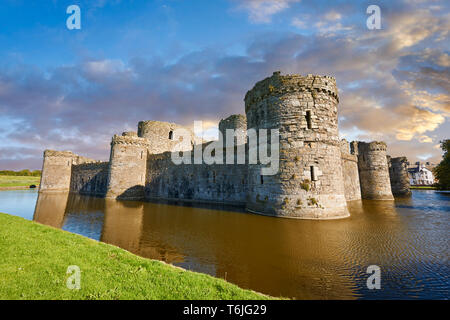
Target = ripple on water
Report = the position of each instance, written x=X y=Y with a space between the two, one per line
x=407 y=238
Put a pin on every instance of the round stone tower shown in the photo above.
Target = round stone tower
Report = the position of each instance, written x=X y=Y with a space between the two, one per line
x=160 y=136
x=237 y=122
x=127 y=167
x=398 y=173
x=309 y=183
x=374 y=171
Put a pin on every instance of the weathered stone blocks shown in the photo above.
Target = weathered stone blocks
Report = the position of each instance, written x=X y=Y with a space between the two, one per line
x=374 y=171
x=310 y=181
x=398 y=173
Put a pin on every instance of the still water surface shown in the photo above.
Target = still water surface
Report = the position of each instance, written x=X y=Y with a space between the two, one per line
x=407 y=239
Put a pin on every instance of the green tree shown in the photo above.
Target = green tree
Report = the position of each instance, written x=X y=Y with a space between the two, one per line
x=442 y=170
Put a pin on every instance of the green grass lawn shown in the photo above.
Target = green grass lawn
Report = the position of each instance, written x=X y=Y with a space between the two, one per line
x=18 y=181
x=34 y=260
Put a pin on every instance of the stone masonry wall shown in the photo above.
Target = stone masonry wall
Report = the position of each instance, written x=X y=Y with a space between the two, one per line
x=398 y=173
x=127 y=167
x=160 y=136
x=216 y=183
x=374 y=171
x=237 y=122
x=90 y=178
x=350 y=172
x=57 y=170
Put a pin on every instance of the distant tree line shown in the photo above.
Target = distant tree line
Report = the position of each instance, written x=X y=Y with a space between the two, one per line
x=26 y=172
x=442 y=170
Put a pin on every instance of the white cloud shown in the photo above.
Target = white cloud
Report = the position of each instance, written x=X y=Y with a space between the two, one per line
x=333 y=16
x=261 y=11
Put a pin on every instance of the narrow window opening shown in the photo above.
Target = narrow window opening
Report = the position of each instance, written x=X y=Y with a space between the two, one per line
x=308 y=119
x=142 y=154
x=214 y=177
x=313 y=173
x=171 y=135
x=262 y=179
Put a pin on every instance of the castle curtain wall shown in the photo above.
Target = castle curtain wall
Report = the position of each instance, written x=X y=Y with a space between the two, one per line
x=216 y=183
x=90 y=178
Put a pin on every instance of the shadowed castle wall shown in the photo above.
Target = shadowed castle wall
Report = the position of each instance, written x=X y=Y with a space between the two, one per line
x=90 y=178
x=309 y=183
x=217 y=183
x=398 y=173
x=350 y=172
x=374 y=171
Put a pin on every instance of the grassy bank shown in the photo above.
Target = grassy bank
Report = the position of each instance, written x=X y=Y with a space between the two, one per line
x=34 y=261
x=423 y=188
x=18 y=181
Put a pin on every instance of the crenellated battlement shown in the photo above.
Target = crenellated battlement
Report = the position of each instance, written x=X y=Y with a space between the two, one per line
x=92 y=165
x=129 y=140
x=62 y=154
x=372 y=146
x=279 y=84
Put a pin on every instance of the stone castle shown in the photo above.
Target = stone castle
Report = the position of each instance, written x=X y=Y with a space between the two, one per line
x=318 y=173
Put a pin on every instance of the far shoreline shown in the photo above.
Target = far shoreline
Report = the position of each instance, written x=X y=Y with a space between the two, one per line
x=19 y=188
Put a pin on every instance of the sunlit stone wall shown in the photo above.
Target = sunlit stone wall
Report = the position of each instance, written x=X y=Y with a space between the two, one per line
x=309 y=183
x=127 y=167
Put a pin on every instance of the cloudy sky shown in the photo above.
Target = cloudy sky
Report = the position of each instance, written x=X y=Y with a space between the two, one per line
x=186 y=60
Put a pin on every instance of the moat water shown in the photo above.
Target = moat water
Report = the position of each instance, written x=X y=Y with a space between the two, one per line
x=408 y=239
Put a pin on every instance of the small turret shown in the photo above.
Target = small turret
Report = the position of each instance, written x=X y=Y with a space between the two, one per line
x=160 y=136
x=127 y=167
